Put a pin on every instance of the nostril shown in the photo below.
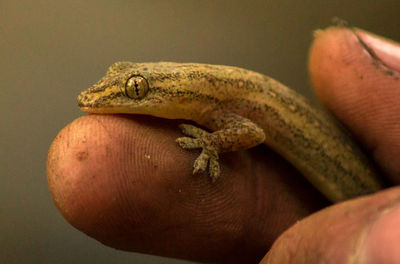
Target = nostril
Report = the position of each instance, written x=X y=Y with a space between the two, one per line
x=81 y=99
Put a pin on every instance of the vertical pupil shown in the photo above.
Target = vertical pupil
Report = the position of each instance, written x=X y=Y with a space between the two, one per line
x=136 y=88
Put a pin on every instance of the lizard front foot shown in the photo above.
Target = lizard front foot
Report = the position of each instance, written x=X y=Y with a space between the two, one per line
x=200 y=138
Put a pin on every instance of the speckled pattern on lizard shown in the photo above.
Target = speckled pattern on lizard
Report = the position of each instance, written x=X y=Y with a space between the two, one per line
x=242 y=109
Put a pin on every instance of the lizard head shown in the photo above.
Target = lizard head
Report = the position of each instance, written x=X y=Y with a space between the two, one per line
x=121 y=90
x=158 y=89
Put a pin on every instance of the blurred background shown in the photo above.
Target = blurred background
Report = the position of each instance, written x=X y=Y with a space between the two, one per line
x=51 y=50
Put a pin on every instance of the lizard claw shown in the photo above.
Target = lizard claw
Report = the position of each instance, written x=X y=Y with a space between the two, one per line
x=208 y=157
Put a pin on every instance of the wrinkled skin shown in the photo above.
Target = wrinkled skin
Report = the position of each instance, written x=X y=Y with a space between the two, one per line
x=124 y=181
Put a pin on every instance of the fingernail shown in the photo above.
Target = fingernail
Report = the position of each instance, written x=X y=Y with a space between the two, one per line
x=383 y=238
x=386 y=50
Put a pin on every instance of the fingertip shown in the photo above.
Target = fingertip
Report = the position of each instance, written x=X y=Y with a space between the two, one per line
x=126 y=183
x=109 y=174
x=355 y=231
x=382 y=239
x=334 y=52
x=353 y=74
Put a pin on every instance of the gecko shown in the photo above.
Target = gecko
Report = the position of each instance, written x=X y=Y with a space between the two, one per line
x=238 y=109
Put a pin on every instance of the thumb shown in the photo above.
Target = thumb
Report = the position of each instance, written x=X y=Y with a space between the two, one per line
x=364 y=230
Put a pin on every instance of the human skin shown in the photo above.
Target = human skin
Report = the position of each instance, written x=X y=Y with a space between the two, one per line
x=124 y=181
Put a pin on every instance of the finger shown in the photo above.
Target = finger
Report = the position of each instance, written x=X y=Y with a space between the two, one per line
x=125 y=182
x=356 y=76
x=363 y=230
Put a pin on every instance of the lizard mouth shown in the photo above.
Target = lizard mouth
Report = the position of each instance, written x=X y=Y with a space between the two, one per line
x=85 y=103
x=81 y=102
x=91 y=104
x=98 y=110
x=87 y=100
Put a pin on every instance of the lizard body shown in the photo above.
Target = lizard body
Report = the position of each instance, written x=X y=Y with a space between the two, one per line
x=244 y=109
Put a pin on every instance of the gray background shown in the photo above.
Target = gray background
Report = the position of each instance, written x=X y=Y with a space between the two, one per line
x=51 y=50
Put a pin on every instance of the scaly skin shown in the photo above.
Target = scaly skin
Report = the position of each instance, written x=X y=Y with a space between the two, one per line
x=244 y=109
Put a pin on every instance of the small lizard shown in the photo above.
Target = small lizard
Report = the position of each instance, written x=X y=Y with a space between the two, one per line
x=243 y=109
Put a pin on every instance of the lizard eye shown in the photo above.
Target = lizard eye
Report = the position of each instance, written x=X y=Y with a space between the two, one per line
x=136 y=87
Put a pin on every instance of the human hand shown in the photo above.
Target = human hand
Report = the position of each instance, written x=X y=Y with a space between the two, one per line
x=359 y=81
x=123 y=181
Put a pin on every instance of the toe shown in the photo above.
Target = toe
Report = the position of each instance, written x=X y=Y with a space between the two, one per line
x=192 y=131
x=214 y=169
x=188 y=143
x=200 y=164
